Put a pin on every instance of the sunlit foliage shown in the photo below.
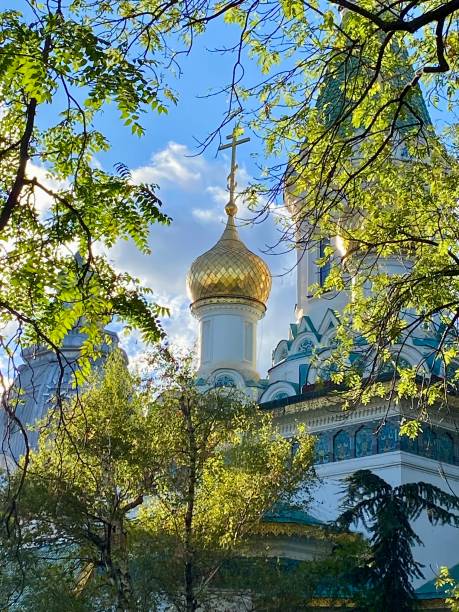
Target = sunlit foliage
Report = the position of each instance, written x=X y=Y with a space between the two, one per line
x=135 y=496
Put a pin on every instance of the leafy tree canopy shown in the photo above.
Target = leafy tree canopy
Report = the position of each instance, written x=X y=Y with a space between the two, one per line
x=223 y=466
x=338 y=100
x=135 y=497
x=62 y=64
x=447 y=583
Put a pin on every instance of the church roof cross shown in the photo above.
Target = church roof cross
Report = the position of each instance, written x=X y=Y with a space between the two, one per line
x=231 y=207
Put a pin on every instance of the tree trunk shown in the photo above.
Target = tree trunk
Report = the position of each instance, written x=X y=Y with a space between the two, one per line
x=190 y=600
x=118 y=567
x=124 y=595
x=125 y=592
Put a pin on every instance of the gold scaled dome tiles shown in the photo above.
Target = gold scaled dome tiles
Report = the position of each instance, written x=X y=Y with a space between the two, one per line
x=229 y=270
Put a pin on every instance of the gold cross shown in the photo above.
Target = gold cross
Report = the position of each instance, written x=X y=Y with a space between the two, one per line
x=231 y=207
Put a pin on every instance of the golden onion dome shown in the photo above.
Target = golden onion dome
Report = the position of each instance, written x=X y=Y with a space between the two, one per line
x=229 y=270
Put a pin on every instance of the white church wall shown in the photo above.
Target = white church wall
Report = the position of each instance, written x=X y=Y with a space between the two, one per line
x=441 y=543
x=228 y=337
x=278 y=391
x=225 y=343
x=286 y=371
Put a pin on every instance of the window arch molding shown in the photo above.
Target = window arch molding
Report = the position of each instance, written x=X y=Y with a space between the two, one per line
x=280 y=352
x=305 y=344
x=227 y=378
x=277 y=391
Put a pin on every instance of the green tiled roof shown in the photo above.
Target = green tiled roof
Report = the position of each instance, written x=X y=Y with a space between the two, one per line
x=285 y=513
x=332 y=98
x=429 y=591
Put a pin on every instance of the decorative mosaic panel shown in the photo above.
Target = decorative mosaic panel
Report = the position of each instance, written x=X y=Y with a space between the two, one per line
x=445 y=447
x=364 y=442
x=388 y=438
x=439 y=444
x=342 y=446
x=409 y=445
x=306 y=347
x=322 y=449
x=225 y=381
x=428 y=443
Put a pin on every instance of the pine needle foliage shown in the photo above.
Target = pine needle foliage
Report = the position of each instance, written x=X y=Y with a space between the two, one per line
x=387 y=512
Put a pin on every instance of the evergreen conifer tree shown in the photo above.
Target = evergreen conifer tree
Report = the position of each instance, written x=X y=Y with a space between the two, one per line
x=387 y=513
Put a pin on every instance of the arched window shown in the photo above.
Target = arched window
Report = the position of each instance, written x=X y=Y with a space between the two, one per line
x=333 y=342
x=248 y=341
x=206 y=341
x=342 y=446
x=306 y=347
x=364 y=442
x=224 y=380
x=452 y=374
x=324 y=270
x=358 y=363
x=445 y=447
x=295 y=447
x=327 y=371
x=322 y=449
x=389 y=367
x=388 y=438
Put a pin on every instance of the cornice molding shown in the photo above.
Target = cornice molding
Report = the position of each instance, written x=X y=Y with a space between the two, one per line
x=397 y=458
x=324 y=414
x=232 y=303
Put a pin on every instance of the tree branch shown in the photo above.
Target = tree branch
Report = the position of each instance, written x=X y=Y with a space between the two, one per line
x=399 y=25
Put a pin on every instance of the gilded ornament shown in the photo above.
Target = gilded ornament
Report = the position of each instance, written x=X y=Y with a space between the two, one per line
x=229 y=269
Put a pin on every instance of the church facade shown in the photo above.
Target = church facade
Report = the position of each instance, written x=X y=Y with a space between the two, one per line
x=229 y=288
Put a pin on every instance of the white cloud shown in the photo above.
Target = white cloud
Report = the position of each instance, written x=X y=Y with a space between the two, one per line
x=175 y=165
x=180 y=326
x=208 y=215
x=43 y=201
x=218 y=194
